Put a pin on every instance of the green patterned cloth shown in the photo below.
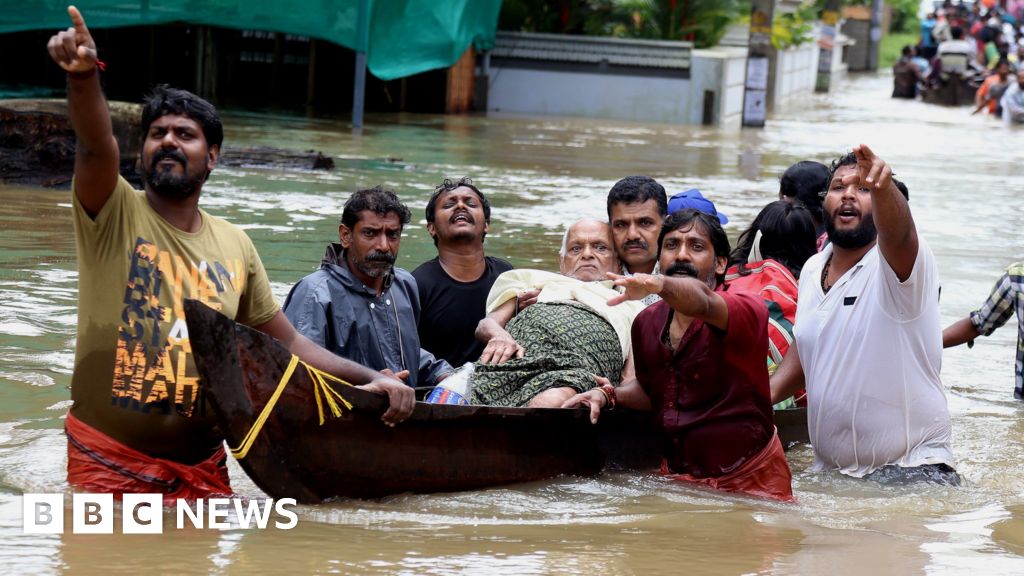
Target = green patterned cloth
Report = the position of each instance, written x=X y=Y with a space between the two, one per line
x=566 y=343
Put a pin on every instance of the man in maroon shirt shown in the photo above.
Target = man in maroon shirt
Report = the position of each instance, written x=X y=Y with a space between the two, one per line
x=699 y=357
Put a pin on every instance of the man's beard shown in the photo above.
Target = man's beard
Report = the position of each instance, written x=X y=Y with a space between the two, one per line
x=864 y=234
x=365 y=265
x=167 y=184
x=686 y=269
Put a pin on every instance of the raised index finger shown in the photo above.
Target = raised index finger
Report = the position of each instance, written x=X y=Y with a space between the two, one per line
x=863 y=153
x=77 y=21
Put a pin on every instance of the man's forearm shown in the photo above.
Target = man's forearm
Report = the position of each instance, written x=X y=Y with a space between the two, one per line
x=331 y=363
x=959 y=332
x=90 y=116
x=631 y=395
x=488 y=329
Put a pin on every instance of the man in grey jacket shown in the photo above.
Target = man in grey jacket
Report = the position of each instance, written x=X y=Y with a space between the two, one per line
x=358 y=304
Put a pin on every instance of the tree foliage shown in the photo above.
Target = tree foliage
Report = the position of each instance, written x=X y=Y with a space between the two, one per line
x=701 y=21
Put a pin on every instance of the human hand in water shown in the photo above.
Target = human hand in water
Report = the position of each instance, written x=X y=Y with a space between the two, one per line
x=401 y=398
x=593 y=399
x=637 y=286
x=73 y=49
x=872 y=171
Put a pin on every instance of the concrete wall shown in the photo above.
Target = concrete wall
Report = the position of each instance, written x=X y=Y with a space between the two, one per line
x=522 y=90
x=719 y=70
x=594 y=95
x=796 y=70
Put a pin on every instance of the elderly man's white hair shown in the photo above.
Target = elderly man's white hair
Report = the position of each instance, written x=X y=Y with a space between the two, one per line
x=565 y=236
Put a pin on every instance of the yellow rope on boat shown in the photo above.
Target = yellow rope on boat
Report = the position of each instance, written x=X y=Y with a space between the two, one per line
x=320 y=386
x=331 y=396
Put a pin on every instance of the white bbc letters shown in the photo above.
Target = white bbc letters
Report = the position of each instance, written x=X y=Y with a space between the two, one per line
x=142 y=514
x=43 y=513
x=92 y=514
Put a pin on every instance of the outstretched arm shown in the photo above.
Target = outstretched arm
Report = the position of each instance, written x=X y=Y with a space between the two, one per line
x=687 y=296
x=96 y=154
x=897 y=235
x=959 y=332
x=402 y=398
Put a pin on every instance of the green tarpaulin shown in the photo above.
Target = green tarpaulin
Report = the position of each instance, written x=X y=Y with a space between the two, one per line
x=405 y=36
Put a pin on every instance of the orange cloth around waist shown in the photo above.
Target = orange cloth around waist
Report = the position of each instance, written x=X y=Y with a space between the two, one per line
x=766 y=475
x=98 y=463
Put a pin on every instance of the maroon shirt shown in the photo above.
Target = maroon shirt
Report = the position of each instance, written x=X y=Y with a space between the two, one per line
x=711 y=395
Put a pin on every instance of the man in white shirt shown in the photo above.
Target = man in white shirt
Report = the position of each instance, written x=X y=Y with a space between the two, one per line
x=956 y=55
x=868 y=343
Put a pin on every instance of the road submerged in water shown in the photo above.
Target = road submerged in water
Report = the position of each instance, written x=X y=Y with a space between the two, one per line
x=539 y=174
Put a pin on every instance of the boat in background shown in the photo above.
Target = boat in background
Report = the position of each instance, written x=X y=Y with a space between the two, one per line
x=300 y=450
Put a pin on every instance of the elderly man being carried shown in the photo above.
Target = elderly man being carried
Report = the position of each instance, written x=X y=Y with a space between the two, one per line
x=543 y=355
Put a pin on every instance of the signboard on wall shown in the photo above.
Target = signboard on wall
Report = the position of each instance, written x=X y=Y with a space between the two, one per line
x=755 y=90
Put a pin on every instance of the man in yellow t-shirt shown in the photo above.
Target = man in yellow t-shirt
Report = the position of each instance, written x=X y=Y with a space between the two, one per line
x=138 y=422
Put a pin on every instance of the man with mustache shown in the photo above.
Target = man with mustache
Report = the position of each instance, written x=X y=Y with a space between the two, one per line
x=542 y=355
x=700 y=368
x=868 y=338
x=453 y=287
x=636 y=207
x=358 y=304
x=139 y=422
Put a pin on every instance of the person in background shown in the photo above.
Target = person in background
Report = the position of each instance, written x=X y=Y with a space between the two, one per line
x=767 y=261
x=453 y=286
x=928 y=43
x=636 y=208
x=1006 y=298
x=804 y=182
x=906 y=75
x=1012 y=101
x=359 y=305
x=992 y=89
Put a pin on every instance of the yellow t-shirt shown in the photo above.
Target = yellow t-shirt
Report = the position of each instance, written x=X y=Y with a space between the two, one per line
x=133 y=354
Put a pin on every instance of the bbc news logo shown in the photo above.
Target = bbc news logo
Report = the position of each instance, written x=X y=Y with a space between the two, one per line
x=144 y=514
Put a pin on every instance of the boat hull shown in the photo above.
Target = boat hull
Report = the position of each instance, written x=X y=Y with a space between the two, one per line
x=439 y=448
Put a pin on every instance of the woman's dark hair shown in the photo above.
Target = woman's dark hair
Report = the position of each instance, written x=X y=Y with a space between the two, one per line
x=805 y=181
x=377 y=200
x=787 y=236
x=707 y=223
x=165 y=100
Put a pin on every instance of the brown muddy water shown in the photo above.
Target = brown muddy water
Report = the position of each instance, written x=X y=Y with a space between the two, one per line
x=965 y=179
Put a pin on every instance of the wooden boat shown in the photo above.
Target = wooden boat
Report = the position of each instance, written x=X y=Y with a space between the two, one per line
x=957 y=90
x=440 y=448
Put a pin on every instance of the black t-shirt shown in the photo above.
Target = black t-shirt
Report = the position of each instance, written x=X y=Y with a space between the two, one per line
x=452 y=309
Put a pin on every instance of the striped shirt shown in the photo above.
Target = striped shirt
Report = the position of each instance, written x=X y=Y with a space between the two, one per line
x=1007 y=296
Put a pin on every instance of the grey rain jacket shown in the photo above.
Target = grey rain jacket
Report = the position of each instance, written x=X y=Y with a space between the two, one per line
x=334 y=309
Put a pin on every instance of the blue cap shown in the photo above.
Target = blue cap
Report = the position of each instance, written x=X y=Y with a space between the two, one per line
x=692 y=198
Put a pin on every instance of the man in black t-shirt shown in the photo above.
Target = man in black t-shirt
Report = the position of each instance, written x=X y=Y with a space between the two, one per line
x=453 y=287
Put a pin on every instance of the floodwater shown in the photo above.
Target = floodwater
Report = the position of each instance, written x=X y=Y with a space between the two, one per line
x=965 y=180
